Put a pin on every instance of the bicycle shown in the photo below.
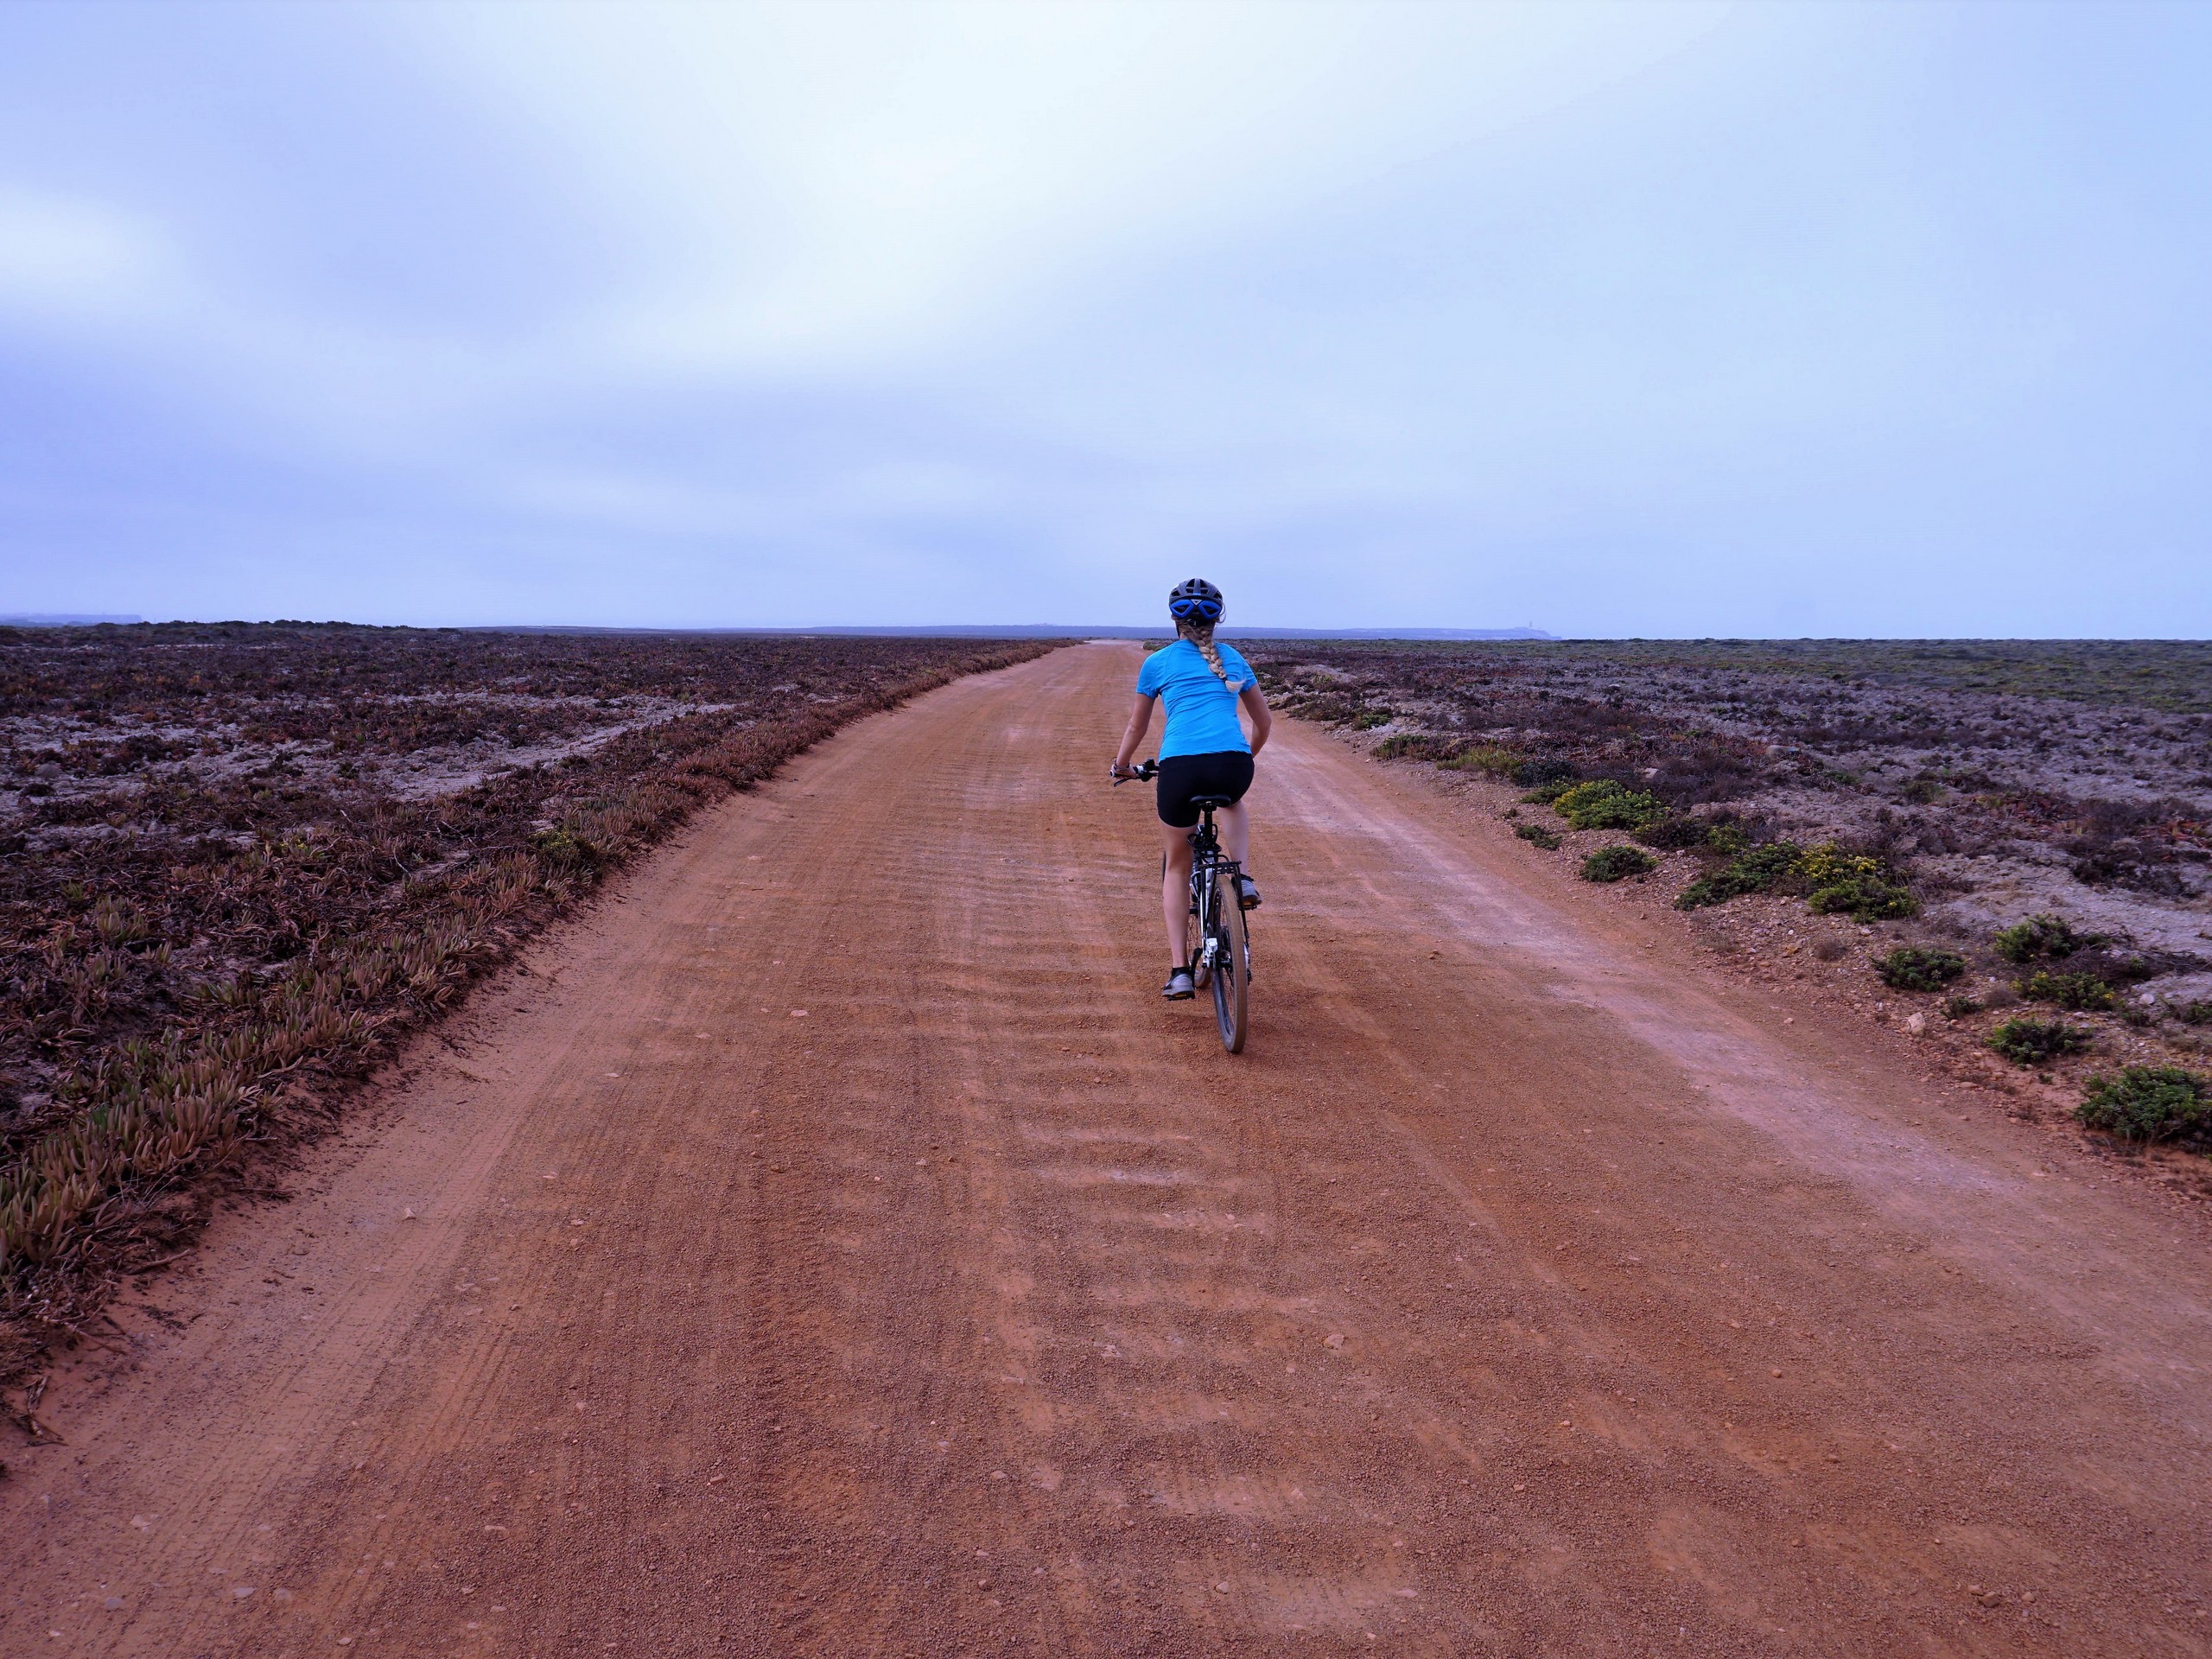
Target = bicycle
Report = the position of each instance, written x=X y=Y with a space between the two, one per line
x=1216 y=938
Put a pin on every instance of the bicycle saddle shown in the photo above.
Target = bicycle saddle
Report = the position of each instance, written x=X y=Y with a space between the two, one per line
x=1213 y=800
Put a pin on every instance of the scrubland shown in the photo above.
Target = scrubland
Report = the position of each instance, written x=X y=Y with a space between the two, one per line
x=2003 y=847
x=239 y=862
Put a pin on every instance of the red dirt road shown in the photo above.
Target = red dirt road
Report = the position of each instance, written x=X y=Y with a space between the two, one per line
x=836 y=1248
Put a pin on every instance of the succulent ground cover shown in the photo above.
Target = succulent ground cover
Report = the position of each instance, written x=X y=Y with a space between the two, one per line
x=1919 y=968
x=2149 y=1103
x=238 y=861
x=1618 y=863
x=2023 y=821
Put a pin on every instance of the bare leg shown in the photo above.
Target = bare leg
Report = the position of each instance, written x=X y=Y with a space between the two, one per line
x=1175 y=888
x=1236 y=834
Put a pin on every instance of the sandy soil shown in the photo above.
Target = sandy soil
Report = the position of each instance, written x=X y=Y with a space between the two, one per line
x=835 y=1247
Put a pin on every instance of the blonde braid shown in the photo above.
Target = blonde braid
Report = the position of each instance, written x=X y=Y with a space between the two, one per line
x=1200 y=635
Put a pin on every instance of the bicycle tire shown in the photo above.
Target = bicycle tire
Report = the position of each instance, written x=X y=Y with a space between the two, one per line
x=1232 y=979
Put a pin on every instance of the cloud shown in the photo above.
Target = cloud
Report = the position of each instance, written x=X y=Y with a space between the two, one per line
x=72 y=259
x=1623 y=315
x=842 y=184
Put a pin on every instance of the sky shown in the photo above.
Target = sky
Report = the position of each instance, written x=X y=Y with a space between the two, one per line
x=1651 y=319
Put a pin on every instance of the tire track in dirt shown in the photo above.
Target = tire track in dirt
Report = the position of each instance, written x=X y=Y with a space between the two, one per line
x=834 y=1247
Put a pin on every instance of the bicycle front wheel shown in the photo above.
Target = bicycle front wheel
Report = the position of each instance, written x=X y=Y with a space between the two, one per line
x=1232 y=969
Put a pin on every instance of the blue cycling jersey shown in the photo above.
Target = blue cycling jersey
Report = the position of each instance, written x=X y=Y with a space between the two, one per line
x=1201 y=710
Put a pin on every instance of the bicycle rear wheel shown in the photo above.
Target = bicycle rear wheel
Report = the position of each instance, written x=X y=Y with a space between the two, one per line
x=1232 y=968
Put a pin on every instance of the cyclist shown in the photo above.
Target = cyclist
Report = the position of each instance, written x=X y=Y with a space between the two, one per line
x=1202 y=751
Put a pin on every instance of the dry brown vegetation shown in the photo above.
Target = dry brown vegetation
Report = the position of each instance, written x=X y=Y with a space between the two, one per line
x=1929 y=796
x=240 y=860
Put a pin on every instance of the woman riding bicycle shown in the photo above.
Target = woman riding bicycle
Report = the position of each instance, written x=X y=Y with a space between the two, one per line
x=1202 y=751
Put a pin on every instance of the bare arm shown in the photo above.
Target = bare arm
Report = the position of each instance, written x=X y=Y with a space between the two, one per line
x=1262 y=722
x=1139 y=722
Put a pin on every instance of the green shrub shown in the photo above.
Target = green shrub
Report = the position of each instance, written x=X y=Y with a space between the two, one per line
x=1677 y=832
x=1957 y=1007
x=1755 y=870
x=1615 y=863
x=1827 y=864
x=1369 y=721
x=1864 y=899
x=2081 y=992
x=1852 y=884
x=2149 y=1103
x=1545 y=794
x=2039 y=936
x=1920 y=968
x=1728 y=839
x=2031 y=1042
x=1536 y=832
x=2198 y=1013
x=1602 y=804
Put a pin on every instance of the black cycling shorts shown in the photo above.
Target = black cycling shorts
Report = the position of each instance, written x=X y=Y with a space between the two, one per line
x=1226 y=772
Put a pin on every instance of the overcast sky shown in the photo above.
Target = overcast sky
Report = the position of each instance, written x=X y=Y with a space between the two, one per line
x=1708 y=319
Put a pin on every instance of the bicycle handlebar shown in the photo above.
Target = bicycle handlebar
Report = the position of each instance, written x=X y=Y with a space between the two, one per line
x=1143 y=774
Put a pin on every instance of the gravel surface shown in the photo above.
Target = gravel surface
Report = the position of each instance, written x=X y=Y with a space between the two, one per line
x=834 y=1246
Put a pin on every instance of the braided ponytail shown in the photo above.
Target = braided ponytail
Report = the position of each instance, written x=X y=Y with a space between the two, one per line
x=1201 y=635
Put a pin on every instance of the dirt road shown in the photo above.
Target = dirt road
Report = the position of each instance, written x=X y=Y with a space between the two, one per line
x=835 y=1247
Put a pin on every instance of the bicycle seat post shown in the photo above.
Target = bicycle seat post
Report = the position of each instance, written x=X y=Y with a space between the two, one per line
x=1207 y=804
